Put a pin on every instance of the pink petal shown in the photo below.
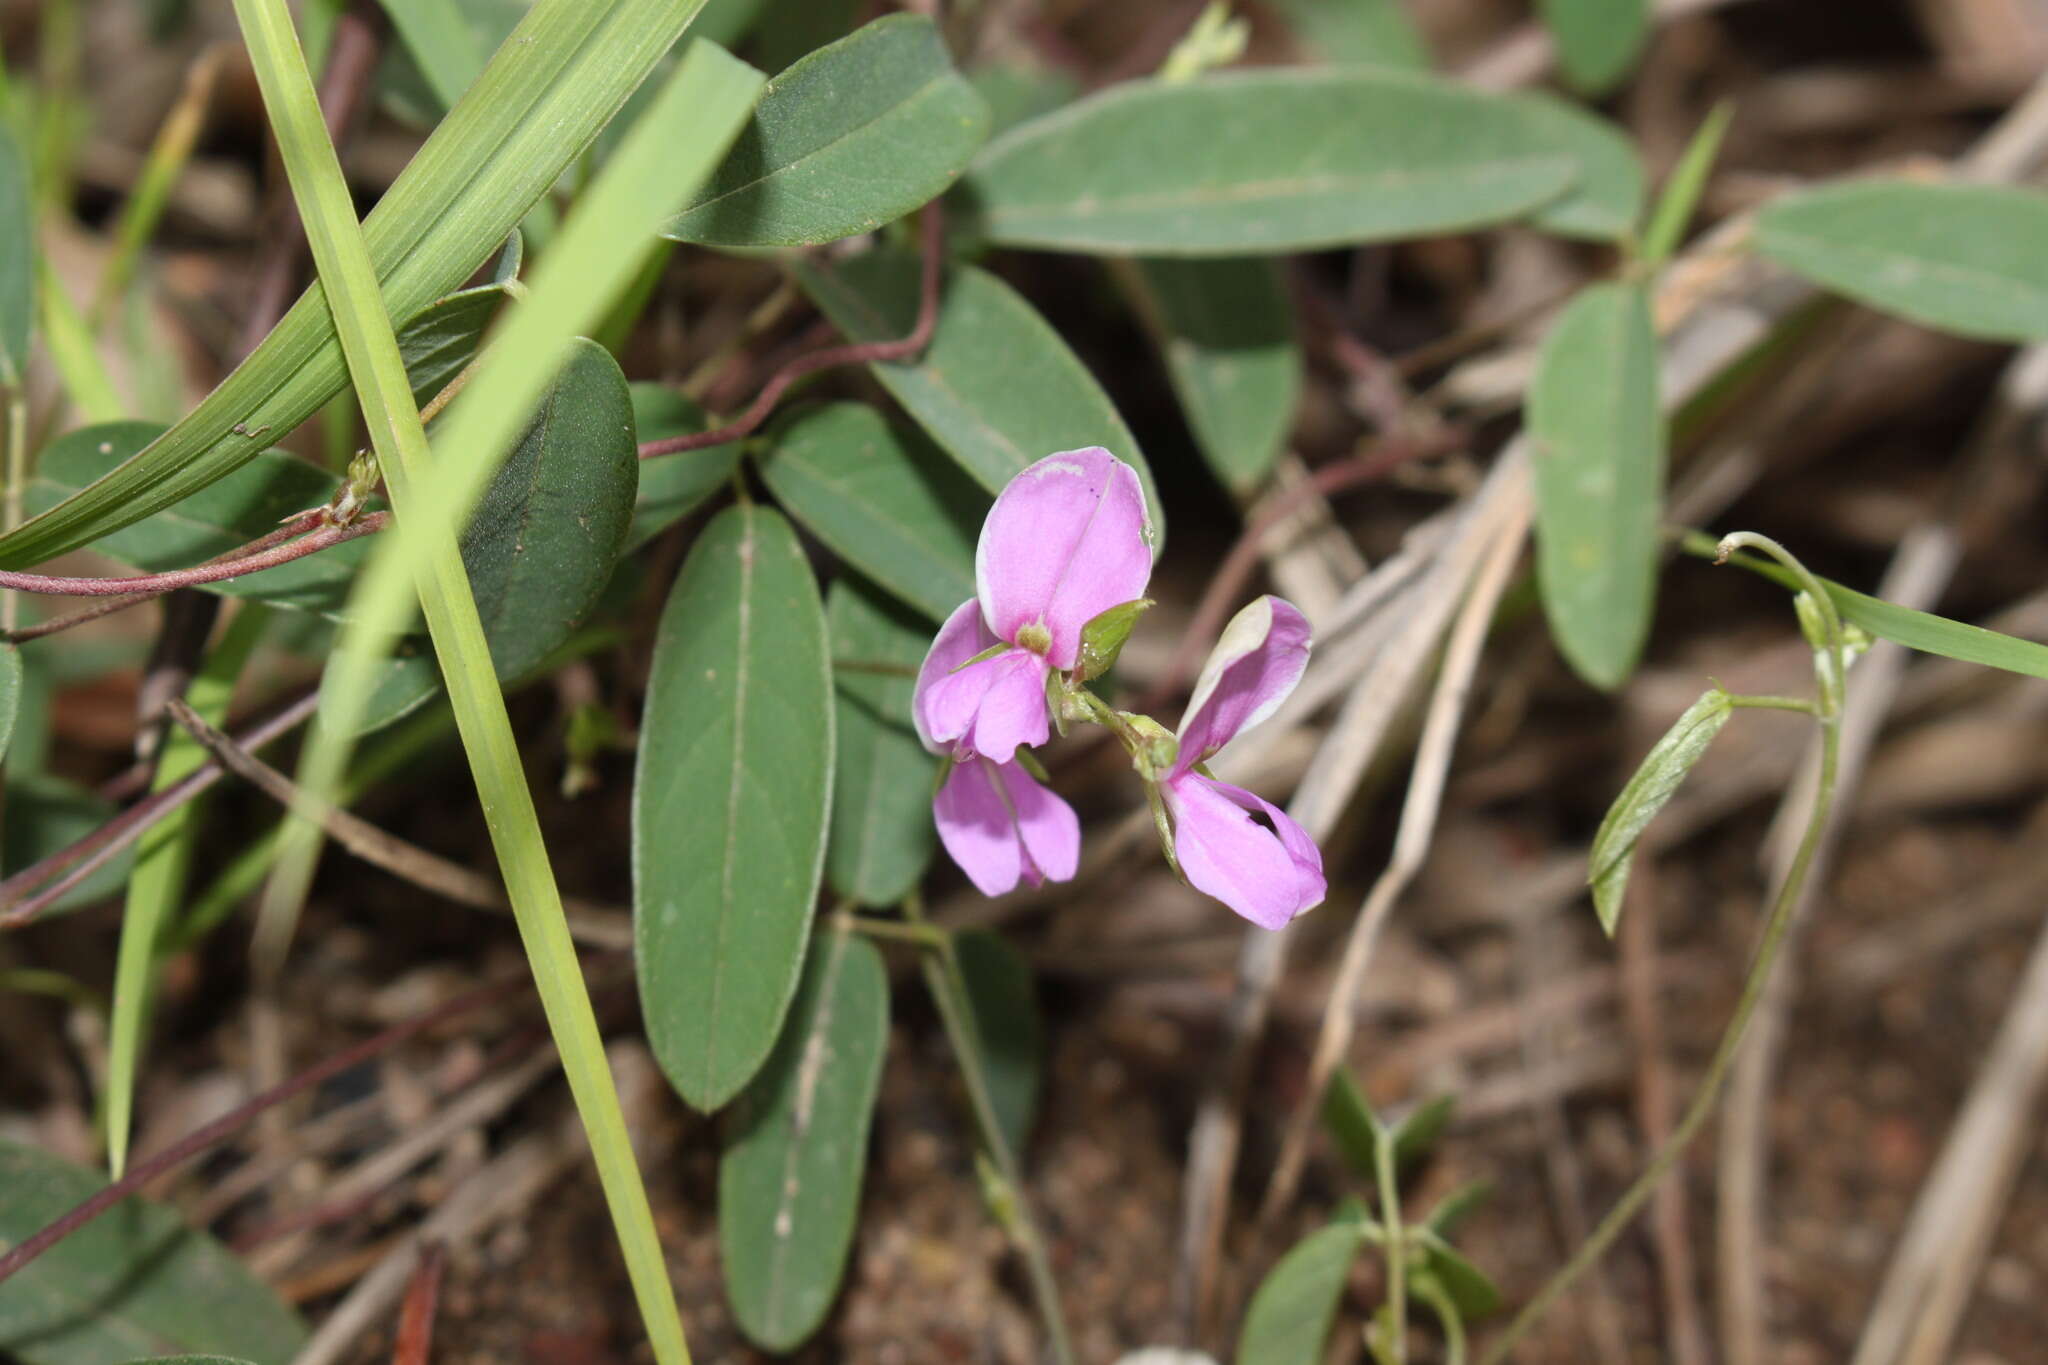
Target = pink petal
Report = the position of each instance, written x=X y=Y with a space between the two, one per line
x=1068 y=539
x=963 y=636
x=987 y=708
x=1256 y=663
x=1267 y=875
x=1001 y=826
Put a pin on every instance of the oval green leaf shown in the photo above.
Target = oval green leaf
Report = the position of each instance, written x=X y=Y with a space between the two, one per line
x=673 y=486
x=1251 y=162
x=1598 y=436
x=1968 y=259
x=17 y=261
x=884 y=501
x=542 y=99
x=1356 y=32
x=853 y=136
x=229 y=513
x=135 y=1279
x=542 y=542
x=730 y=802
x=1606 y=199
x=440 y=341
x=1002 y=1000
x=1226 y=330
x=882 y=832
x=1291 y=1314
x=996 y=388
x=796 y=1145
x=1654 y=782
x=1597 y=40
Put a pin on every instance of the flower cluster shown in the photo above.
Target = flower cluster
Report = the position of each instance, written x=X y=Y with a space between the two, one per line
x=1060 y=576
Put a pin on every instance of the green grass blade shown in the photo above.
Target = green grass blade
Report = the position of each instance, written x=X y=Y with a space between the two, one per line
x=69 y=341
x=155 y=888
x=669 y=151
x=1681 y=193
x=567 y=69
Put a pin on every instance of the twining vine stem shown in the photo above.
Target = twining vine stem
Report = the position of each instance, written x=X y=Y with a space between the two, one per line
x=1825 y=634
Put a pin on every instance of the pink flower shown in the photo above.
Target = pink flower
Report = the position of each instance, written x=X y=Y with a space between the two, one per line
x=995 y=819
x=1001 y=826
x=1067 y=539
x=1268 y=872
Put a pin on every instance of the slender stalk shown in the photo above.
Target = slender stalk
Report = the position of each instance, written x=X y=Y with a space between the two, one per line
x=17 y=483
x=1743 y=701
x=157 y=584
x=1830 y=663
x=948 y=986
x=1396 y=1244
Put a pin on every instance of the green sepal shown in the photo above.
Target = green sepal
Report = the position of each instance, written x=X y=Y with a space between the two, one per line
x=1102 y=639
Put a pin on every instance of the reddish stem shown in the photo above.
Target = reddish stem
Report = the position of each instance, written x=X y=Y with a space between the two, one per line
x=216 y=571
x=140 y=1173
x=422 y=1297
x=859 y=353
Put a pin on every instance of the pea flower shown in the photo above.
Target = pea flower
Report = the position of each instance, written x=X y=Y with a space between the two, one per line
x=1268 y=871
x=1067 y=539
x=995 y=819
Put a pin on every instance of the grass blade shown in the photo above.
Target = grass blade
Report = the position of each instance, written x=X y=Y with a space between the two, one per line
x=157 y=886
x=566 y=71
x=719 y=92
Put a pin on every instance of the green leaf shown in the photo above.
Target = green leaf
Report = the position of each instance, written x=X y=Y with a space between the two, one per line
x=673 y=486
x=135 y=1279
x=1002 y=1001
x=1454 y=1207
x=1358 y=1132
x=440 y=341
x=10 y=693
x=1226 y=330
x=541 y=544
x=539 y=103
x=1292 y=1312
x=1597 y=40
x=1606 y=200
x=1356 y=32
x=46 y=814
x=1243 y=162
x=1969 y=259
x=997 y=387
x=885 y=501
x=853 y=136
x=882 y=832
x=1681 y=193
x=245 y=505
x=1933 y=634
x=1598 y=438
x=1469 y=1288
x=730 y=802
x=1655 y=779
x=796 y=1145
x=17 y=261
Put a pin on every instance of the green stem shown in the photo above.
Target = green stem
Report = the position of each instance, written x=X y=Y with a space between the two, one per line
x=894 y=931
x=1396 y=1244
x=948 y=986
x=1829 y=664
x=1765 y=703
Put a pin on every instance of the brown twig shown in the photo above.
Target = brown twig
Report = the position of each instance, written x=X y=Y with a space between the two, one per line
x=601 y=926
x=214 y=571
x=858 y=353
x=88 y=854
x=1229 y=583
x=422 y=1297
x=140 y=1173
